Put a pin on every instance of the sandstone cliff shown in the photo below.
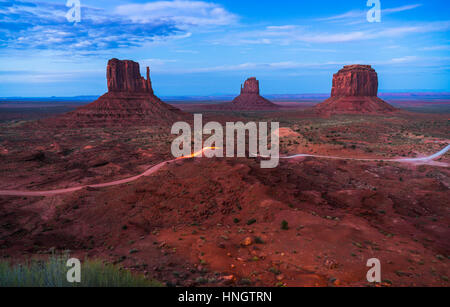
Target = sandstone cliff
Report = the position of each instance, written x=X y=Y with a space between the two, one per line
x=125 y=76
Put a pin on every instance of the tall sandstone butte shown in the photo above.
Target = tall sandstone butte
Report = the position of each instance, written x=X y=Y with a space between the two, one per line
x=355 y=91
x=251 y=86
x=250 y=99
x=125 y=76
x=130 y=101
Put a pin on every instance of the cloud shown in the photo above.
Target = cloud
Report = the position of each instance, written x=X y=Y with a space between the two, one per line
x=30 y=76
x=286 y=35
x=252 y=66
x=436 y=48
x=30 y=25
x=186 y=51
x=405 y=59
x=159 y=65
x=401 y=8
x=294 y=65
x=361 y=14
x=347 y=15
x=182 y=13
x=156 y=63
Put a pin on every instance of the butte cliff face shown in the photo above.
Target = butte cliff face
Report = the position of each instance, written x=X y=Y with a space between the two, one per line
x=130 y=101
x=125 y=76
x=251 y=87
x=355 y=90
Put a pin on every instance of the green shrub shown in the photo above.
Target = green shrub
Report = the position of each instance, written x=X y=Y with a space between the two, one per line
x=251 y=222
x=284 y=225
x=53 y=272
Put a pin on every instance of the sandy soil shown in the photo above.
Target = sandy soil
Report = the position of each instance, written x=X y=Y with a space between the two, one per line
x=312 y=221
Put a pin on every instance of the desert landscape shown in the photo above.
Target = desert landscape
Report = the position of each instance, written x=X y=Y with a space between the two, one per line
x=359 y=178
x=215 y=151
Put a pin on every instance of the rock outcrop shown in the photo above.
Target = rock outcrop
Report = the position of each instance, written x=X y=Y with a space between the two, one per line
x=355 y=80
x=248 y=100
x=130 y=101
x=251 y=86
x=125 y=76
x=355 y=90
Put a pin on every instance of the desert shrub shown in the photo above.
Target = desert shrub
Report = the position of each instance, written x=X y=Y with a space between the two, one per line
x=53 y=272
x=251 y=222
x=284 y=225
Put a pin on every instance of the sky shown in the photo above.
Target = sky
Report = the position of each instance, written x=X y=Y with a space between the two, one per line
x=211 y=47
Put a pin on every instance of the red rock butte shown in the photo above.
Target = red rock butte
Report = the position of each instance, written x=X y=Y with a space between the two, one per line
x=355 y=91
x=251 y=86
x=125 y=76
x=130 y=101
x=250 y=99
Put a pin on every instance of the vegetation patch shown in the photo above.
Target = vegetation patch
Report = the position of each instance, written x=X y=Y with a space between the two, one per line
x=53 y=273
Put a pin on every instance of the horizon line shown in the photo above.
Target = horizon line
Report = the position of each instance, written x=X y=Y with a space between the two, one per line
x=418 y=92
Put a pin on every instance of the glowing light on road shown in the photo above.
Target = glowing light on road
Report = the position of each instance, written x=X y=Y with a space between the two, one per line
x=198 y=153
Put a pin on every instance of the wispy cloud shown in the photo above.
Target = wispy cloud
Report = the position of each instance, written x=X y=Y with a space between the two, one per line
x=294 y=65
x=41 y=25
x=156 y=63
x=347 y=15
x=186 y=51
x=405 y=59
x=182 y=13
x=436 y=48
x=159 y=65
x=361 y=14
x=402 y=8
x=12 y=76
x=294 y=34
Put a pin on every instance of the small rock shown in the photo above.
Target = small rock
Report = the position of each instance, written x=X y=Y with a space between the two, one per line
x=331 y=264
x=247 y=242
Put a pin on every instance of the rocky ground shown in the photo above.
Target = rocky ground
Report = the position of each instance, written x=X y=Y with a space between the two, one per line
x=310 y=222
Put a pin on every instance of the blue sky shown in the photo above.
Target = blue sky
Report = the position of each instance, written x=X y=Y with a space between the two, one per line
x=211 y=47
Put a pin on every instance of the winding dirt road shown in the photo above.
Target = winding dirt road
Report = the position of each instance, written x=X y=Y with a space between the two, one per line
x=401 y=160
x=157 y=167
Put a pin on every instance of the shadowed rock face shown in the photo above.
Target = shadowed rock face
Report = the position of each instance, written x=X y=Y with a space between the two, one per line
x=355 y=90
